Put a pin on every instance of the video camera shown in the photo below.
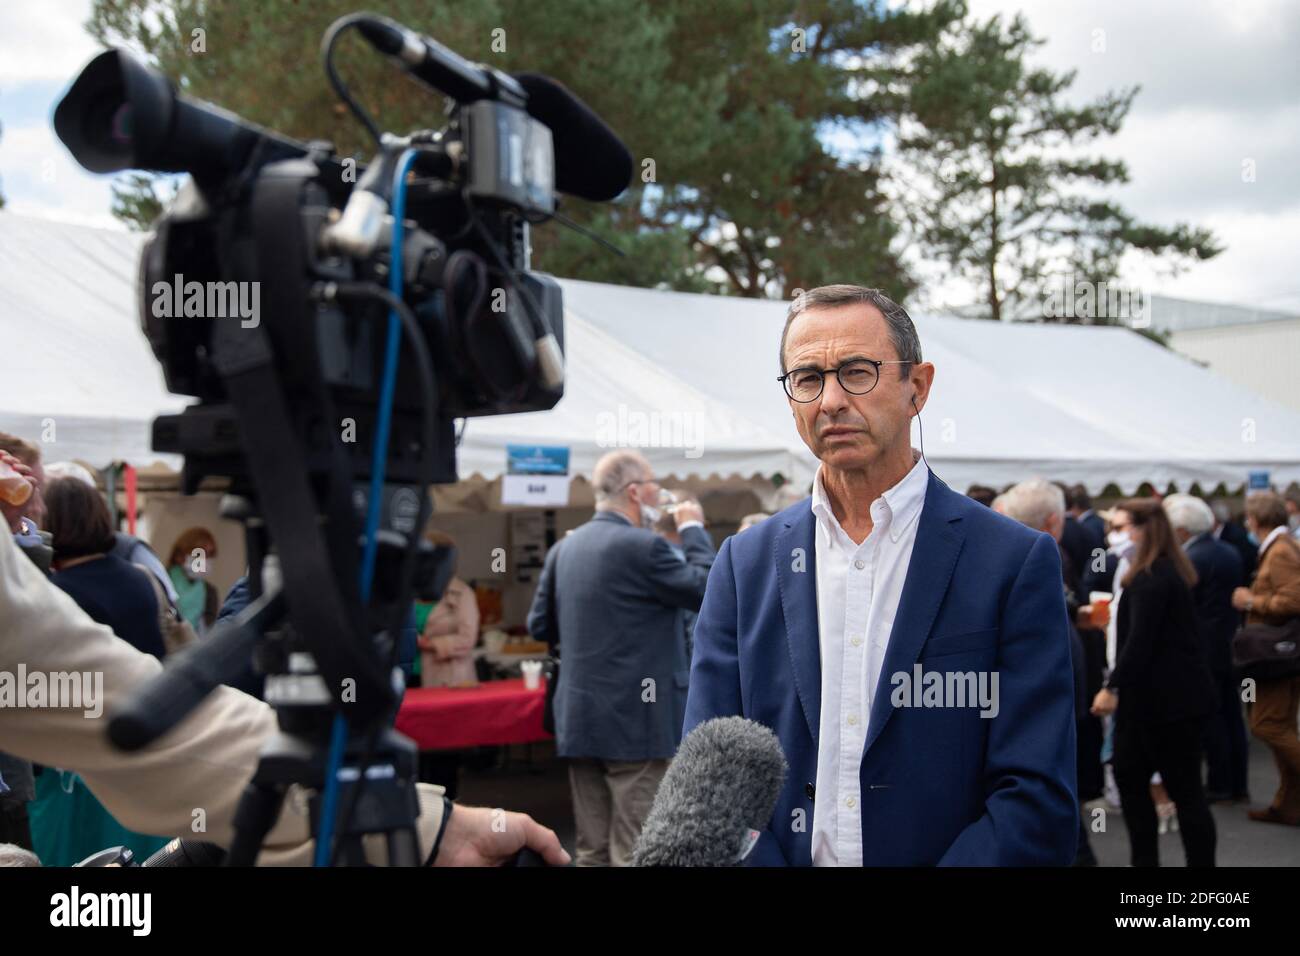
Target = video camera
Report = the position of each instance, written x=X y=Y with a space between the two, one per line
x=333 y=320
x=493 y=328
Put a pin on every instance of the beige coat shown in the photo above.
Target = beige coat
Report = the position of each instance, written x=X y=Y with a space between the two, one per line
x=1276 y=589
x=447 y=642
x=202 y=764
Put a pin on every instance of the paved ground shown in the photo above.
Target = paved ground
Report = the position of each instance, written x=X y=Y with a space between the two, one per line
x=542 y=790
x=1241 y=841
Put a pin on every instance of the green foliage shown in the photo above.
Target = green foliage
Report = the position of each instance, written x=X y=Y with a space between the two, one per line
x=720 y=103
x=136 y=201
x=755 y=126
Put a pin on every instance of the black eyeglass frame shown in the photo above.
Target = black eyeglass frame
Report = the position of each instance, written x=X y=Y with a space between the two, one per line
x=823 y=372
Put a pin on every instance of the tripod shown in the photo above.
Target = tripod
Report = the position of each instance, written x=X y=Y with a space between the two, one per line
x=377 y=774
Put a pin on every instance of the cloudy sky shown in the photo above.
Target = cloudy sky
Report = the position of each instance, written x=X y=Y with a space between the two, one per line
x=1220 y=85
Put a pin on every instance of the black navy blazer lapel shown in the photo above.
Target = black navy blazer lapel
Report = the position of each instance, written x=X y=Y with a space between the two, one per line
x=795 y=552
x=939 y=540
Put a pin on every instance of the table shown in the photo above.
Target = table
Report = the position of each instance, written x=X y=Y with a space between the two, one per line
x=492 y=714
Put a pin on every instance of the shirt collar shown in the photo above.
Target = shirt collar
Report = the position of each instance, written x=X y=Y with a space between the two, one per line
x=895 y=510
x=1272 y=536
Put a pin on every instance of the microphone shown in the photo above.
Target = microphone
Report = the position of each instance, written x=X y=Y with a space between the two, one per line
x=430 y=62
x=719 y=792
x=591 y=162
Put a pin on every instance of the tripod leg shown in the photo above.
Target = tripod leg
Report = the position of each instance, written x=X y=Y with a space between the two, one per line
x=258 y=809
x=403 y=848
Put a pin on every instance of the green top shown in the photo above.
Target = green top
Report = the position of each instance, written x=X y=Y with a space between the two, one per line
x=422 y=611
x=191 y=596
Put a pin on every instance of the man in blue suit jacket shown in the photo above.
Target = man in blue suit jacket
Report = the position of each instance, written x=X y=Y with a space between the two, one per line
x=909 y=647
x=610 y=597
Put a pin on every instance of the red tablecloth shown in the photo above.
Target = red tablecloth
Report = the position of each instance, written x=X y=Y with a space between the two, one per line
x=493 y=713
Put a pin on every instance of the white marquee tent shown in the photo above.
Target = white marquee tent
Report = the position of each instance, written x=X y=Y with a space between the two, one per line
x=692 y=378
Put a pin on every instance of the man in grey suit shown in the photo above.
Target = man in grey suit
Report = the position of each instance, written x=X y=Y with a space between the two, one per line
x=609 y=597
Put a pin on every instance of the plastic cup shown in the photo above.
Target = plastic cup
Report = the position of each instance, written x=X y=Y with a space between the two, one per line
x=532 y=671
x=1100 y=601
x=14 y=488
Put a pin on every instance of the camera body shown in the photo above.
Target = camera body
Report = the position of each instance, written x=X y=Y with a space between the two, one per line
x=243 y=248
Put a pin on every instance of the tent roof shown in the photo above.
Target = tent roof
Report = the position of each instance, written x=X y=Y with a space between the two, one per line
x=68 y=293
x=80 y=377
x=689 y=378
x=614 y=397
x=1086 y=404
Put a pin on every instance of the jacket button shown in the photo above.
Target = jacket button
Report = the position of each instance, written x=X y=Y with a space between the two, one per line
x=809 y=789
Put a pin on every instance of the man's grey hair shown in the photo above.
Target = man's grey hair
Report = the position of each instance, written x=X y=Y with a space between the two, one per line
x=902 y=333
x=614 y=471
x=1189 y=513
x=13 y=855
x=1033 y=502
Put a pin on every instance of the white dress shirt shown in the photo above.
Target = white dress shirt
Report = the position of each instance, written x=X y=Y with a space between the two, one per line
x=858 y=590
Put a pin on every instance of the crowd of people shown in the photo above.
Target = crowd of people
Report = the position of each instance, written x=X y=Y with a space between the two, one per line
x=1157 y=589
x=119 y=581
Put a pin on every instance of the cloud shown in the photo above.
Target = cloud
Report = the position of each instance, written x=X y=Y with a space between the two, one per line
x=1195 y=162
x=1237 y=57
x=41 y=178
x=1258 y=269
x=40 y=42
x=1220 y=85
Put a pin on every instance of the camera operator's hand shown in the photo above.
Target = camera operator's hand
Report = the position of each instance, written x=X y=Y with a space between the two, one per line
x=688 y=511
x=479 y=836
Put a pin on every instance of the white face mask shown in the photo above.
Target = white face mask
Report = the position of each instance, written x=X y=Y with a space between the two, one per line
x=1120 y=542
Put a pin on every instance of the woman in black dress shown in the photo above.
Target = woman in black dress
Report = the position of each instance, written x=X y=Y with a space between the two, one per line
x=1160 y=689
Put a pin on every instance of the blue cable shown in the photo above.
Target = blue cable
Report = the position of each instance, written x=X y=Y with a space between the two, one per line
x=389 y=383
x=378 y=465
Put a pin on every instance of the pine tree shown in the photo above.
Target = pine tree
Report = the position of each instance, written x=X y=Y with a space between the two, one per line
x=1001 y=197
x=727 y=107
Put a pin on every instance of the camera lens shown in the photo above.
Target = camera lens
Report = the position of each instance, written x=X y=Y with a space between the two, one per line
x=120 y=126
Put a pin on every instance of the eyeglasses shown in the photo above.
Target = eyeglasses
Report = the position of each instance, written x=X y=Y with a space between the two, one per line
x=856 y=376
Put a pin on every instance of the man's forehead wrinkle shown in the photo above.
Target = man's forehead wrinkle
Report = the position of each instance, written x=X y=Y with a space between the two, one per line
x=848 y=330
x=837 y=348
